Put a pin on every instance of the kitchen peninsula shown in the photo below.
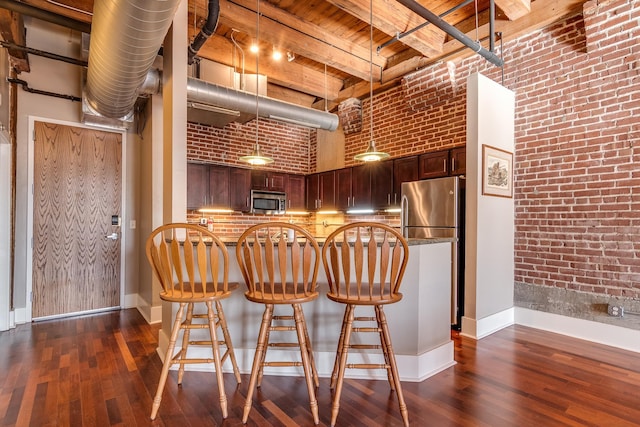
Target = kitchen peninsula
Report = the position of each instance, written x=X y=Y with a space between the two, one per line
x=419 y=324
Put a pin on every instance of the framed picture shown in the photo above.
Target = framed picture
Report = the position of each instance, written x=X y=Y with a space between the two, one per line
x=497 y=172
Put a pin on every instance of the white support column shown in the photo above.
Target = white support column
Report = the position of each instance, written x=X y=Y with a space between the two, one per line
x=174 y=95
x=489 y=234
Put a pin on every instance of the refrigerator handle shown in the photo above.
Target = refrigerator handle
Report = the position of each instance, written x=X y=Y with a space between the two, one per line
x=404 y=212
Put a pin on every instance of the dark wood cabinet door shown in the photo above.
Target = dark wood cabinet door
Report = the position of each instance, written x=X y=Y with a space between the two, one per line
x=404 y=170
x=458 y=161
x=259 y=180
x=197 y=185
x=295 y=190
x=239 y=189
x=361 y=186
x=218 y=186
x=382 y=184
x=327 y=190
x=313 y=191
x=270 y=181
x=277 y=181
x=343 y=189
x=433 y=165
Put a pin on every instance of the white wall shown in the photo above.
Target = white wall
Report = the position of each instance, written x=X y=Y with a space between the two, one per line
x=62 y=78
x=489 y=220
x=5 y=233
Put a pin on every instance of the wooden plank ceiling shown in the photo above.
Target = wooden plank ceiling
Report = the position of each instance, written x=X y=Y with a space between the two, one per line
x=330 y=50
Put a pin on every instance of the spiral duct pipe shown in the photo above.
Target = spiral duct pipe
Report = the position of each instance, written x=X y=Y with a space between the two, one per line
x=125 y=39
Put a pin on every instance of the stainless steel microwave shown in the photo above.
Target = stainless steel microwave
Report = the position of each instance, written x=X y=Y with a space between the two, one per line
x=268 y=202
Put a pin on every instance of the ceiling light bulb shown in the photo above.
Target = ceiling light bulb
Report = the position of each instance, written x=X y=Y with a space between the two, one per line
x=276 y=55
x=254 y=48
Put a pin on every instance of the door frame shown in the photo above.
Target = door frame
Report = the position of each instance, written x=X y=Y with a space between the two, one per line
x=29 y=234
x=6 y=321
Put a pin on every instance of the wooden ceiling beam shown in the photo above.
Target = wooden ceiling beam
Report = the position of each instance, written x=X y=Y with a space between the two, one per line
x=514 y=9
x=543 y=13
x=12 y=31
x=288 y=74
x=392 y=18
x=292 y=33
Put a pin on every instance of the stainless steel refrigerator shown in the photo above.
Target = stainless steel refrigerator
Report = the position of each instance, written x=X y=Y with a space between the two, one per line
x=434 y=208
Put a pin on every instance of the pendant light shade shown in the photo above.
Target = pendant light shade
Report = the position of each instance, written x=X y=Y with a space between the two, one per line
x=256 y=158
x=371 y=154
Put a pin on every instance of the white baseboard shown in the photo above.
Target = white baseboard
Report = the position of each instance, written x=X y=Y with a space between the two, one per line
x=602 y=333
x=130 y=301
x=480 y=328
x=20 y=316
x=152 y=314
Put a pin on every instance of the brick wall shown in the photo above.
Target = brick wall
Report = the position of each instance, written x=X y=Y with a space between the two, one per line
x=577 y=134
x=577 y=158
x=287 y=144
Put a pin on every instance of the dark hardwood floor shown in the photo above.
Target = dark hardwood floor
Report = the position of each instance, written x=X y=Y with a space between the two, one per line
x=103 y=370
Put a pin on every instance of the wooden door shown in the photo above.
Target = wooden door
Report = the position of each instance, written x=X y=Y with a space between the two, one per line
x=76 y=196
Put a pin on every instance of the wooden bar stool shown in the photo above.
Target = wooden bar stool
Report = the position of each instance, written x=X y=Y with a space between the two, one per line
x=188 y=260
x=365 y=263
x=280 y=263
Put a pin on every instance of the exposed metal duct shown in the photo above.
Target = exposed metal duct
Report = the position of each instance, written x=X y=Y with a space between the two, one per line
x=223 y=97
x=125 y=38
x=425 y=13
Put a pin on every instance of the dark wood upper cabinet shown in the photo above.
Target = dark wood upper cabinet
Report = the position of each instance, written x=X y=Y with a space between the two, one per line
x=312 y=184
x=382 y=184
x=458 y=161
x=405 y=169
x=295 y=189
x=270 y=181
x=361 y=185
x=218 y=186
x=343 y=188
x=433 y=165
x=197 y=185
x=321 y=191
x=327 y=198
x=239 y=189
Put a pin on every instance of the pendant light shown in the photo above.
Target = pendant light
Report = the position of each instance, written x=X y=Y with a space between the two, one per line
x=371 y=154
x=256 y=158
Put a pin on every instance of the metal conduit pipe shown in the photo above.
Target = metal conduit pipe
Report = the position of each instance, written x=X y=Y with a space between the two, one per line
x=232 y=99
x=125 y=38
x=425 y=13
x=208 y=28
x=25 y=9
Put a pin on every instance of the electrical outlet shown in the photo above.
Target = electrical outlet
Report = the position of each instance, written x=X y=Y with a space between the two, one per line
x=615 y=310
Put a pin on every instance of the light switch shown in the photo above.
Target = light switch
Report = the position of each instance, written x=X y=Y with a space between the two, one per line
x=132 y=224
